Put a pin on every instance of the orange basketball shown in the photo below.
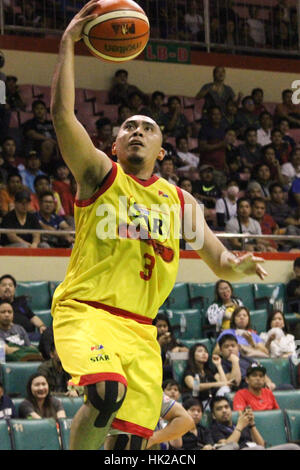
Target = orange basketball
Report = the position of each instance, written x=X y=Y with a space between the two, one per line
x=119 y=33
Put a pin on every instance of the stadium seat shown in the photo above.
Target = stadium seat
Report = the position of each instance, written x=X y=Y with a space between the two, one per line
x=266 y=294
x=279 y=370
x=37 y=292
x=71 y=405
x=15 y=376
x=5 y=440
x=178 y=368
x=295 y=134
x=64 y=432
x=14 y=120
x=36 y=434
x=52 y=286
x=245 y=293
x=179 y=297
x=186 y=323
x=292 y=420
x=45 y=316
x=288 y=399
x=17 y=402
x=258 y=319
x=189 y=343
x=201 y=295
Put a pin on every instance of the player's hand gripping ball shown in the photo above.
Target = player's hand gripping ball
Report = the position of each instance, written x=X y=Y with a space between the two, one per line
x=119 y=33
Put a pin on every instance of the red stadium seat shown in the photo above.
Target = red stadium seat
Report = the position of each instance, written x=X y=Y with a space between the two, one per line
x=14 y=120
x=270 y=107
x=24 y=116
x=189 y=114
x=295 y=134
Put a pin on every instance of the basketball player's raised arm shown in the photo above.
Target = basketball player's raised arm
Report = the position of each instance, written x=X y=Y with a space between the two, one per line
x=88 y=164
x=222 y=262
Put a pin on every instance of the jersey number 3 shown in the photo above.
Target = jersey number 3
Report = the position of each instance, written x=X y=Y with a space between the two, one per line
x=148 y=267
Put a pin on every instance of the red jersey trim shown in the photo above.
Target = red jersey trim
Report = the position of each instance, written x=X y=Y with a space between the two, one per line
x=104 y=187
x=94 y=378
x=131 y=428
x=117 y=311
x=145 y=183
x=181 y=198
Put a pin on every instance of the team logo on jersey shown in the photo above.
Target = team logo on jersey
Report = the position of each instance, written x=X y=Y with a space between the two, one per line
x=98 y=347
x=100 y=356
x=160 y=193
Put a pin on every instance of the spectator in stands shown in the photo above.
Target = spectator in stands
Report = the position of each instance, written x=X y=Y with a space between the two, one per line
x=232 y=149
x=29 y=17
x=216 y=35
x=267 y=224
x=250 y=343
x=13 y=97
x=212 y=140
x=235 y=364
x=193 y=22
x=39 y=403
x=41 y=184
x=230 y=36
x=121 y=89
x=270 y=159
x=256 y=396
x=155 y=108
x=136 y=102
x=23 y=314
x=104 y=139
x=216 y=93
x=198 y=438
x=293 y=28
x=7 y=407
x=51 y=221
x=262 y=176
x=56 y=376
x=212 y=379
x=63 y=185
x=281 y=212
x=188 y=161
x=294 y=193
x=257 y=95
x=124 y=112
x=220 y=312
x=243 y=223
x=17 y=343
x=246 y=116
x=39 y=135
x=288 y=110
x=46 y=340
x=284 y=127
x=9 y=154
x=277 y=339
x=172 y=389
x=31 y=170
x=250 y=151
x=226 y=206
x=207 y=192
x=167 y=170
x=174 y=121
x=167 y=342
x=264 y=131
x=230 y=113
x=253 y=190
x=293 y=288
x=291 y=169
x=21 y=218
x=282 y=148
x=7 y=195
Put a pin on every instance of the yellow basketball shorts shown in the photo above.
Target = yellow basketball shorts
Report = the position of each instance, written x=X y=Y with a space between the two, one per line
x=95 y=345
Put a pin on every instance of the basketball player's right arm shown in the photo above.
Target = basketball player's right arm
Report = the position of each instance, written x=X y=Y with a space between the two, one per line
x=88 y=164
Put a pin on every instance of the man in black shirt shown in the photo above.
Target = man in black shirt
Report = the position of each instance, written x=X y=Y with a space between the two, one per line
x=293 y=288
x=23 y=314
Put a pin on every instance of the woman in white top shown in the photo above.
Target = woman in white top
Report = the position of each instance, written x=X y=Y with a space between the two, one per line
x=277 y=339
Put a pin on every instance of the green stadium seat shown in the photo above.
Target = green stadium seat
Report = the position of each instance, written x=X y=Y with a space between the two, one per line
x=37 y=293
x=292 y=318
x=288 y=399
x=178 y=298
x=71 y=405
x=292 y=420
x=258 y=320
x=52 y=286
x=178 y=368
x=206 y=418
x=206 y=341
x=245 y=293
x=17 y=402
x=265 y=294
x=35 y=434
x=187 y=323
x=271 y=425
x=279 y=370
x=15 y=376
x=45 y=316
x=64 y=432
x=202 y=295
x=5 y=441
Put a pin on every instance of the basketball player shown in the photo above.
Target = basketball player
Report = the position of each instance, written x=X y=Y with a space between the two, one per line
x=122 y=267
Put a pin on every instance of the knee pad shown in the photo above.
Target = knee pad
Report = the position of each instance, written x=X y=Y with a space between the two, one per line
x=106 y=406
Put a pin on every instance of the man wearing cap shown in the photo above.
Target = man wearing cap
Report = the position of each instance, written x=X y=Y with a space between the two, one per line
x=257 y=396
x=20 y=218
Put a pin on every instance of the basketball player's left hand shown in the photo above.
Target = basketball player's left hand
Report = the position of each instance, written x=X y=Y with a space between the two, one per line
x=249 y=264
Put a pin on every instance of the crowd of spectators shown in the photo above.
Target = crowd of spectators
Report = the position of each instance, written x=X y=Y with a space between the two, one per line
x=253 y=26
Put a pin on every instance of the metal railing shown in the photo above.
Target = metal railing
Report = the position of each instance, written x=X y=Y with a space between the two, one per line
x=235 y=26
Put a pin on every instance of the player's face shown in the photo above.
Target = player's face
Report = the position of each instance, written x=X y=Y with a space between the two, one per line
x=138 y=142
